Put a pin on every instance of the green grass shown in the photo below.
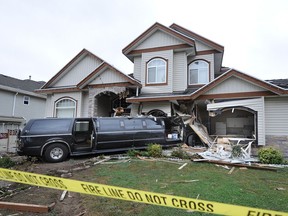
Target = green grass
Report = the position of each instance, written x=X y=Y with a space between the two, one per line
x=254 y=188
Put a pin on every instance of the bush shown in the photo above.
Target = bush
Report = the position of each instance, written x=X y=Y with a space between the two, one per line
x=180 y=153
x=154 y=150
x=270 y=156
x=6 y=162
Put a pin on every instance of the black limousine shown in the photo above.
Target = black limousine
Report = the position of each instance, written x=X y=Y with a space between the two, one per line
x=53 y=139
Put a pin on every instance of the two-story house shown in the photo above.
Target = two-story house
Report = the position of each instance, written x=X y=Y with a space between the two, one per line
x=19 y=103
x=181 y=71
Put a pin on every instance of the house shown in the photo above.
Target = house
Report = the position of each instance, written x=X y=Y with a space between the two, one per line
x=176 y=71
x=19 y=103
x=88 y=86
x=181 y=71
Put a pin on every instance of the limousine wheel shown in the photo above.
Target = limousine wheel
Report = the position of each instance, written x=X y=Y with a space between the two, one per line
x=56 y=153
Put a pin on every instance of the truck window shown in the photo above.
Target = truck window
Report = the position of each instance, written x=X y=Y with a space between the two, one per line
x=50 y=126
x=81 y=126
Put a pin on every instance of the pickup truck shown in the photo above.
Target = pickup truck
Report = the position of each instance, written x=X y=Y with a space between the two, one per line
x=54 y=139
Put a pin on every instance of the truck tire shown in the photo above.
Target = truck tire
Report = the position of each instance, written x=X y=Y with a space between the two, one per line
x=190 y=141
x=56 y=153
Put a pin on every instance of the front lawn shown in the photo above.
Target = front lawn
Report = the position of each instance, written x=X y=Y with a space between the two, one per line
x=246 y=187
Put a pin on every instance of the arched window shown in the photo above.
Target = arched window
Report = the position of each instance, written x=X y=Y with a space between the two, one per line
x=65 y=107
x=156 y=71
x=198 y=72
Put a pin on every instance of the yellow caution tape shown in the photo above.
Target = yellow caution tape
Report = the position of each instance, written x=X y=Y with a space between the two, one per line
x=133 y=195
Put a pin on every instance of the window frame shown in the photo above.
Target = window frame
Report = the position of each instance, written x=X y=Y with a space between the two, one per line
x=208 y=73
x=165 y=72
x=26 y=100
x=59 y=108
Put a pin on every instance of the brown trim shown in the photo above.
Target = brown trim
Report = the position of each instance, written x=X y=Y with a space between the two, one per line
x=156 y=49
x=236 y=95
x=62 y=98
x=46 y=91
x=197 y=37
x=82 y=52
x=23 y=207
x=206 y=52
x=146 y=72
x=104 y=66
x=156 y=26
x=126 y=84
x=135 y=100
x=209 y=73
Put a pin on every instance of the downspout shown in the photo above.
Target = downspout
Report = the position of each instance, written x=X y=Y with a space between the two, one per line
x=137 y=91
x=14 y=104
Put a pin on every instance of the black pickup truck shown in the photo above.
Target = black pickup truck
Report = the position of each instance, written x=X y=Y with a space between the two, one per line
x=55 y=138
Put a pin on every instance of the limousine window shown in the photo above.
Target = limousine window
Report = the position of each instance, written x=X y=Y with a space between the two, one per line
x=131 y=124
x=153 y=124
x=109 y=125
x=50 y=126
x=82 y=126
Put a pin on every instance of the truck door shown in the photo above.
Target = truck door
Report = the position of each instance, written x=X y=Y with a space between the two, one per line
x=83 y=135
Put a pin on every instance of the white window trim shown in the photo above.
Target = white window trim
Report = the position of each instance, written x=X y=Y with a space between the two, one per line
x=165 y=72
x=26 y=99
x=65 y=107
x=189 y=74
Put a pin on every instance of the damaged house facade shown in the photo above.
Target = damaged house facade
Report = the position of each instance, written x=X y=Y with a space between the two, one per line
x=176 y=72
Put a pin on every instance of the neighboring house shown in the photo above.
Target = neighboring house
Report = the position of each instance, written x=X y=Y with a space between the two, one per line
x=181 y=71
x=19 y=103
x=88 y=86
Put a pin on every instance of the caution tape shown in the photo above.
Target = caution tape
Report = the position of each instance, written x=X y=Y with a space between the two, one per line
x=133 y=195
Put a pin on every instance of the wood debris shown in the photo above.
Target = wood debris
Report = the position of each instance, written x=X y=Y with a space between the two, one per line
x=231 y=170
x=181 y=167
x=24 y=207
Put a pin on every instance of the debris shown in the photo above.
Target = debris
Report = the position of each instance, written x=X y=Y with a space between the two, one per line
x=182 y=166
x=202 y=132
x=98 y=162
x=185 y=181
x=240 y=165
x=280 y=189
x=66 y=175
x=81 y=213
x=24 y=207
x=63 y=195
x=225 y=167
x=81 y=168
x=231 y=170
x=116 y=162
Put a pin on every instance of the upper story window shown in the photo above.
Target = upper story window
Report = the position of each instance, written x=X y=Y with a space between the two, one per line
x=156 y=71
x=198 y=72
x=26 y=100
x=65 y=108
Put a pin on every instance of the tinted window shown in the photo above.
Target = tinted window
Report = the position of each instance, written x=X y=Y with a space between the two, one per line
x=109 y=124
x=81 y=126
x=151 y=124
x=131 y=124
x=50 y=126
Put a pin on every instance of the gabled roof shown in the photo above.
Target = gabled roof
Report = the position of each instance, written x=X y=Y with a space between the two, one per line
x=77 y=58
x=273 y=89
x=283 y=83
x=198 y=37
x=157 y=26
x=102 y=68
x=27 y=84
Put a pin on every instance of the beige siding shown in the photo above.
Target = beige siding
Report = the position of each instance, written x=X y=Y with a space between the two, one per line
x=108 y=76
x=85 y=104
x=276 y=116
x=180 y=72
x=201 y=47
x=209 y=58
x=254 y=104
x=234 y=85
x=164 y=106
x=159 y=39
x=78 y=72
x=168 y=55
x=137 y=67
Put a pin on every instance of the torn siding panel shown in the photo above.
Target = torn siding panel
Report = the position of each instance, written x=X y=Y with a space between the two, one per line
x=254 y=104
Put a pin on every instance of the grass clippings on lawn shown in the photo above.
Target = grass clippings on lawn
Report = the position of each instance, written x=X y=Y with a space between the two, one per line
x=246 y=187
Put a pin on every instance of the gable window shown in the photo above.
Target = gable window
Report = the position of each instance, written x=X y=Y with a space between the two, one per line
x=156 y=71
x=65 y=108
x=198 y=72
x=26 y=100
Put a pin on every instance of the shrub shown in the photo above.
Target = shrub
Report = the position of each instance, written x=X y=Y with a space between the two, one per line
x=180 y=153
x=133 y=153
x=154 y=150
x=270 y=156
x=6 y=162
x=236 y=151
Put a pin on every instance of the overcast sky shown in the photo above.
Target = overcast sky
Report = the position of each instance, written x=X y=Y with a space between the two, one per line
x=39 y=38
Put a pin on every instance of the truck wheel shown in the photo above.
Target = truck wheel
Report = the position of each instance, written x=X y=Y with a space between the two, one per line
x=190 y=141
x=56 y=153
